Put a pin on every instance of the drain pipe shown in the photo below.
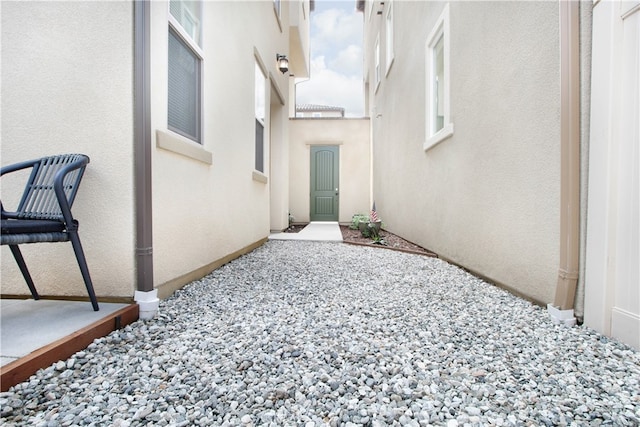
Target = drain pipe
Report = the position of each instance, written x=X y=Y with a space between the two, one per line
x=561 y=310
x=145 y=295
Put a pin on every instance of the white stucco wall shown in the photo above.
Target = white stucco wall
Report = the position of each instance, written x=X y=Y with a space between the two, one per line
x=488 y=197
x=67 y=87
x=279 y=172
x=203 y=212
x=352 y=138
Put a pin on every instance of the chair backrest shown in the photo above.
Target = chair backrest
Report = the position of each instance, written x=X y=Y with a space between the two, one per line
x=39 y=200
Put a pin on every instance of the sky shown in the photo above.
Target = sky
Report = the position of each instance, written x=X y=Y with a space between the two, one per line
x=336 y=58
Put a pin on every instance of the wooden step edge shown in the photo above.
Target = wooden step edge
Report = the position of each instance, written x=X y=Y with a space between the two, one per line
x=20 y=370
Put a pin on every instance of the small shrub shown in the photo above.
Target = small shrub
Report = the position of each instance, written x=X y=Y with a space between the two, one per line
x=370 y=229
x=357 y=219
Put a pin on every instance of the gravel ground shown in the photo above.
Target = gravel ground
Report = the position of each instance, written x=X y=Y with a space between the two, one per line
x=308 y=333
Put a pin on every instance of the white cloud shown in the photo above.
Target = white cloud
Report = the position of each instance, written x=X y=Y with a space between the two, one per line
x=333 y=27
x=336 y=63
x=328 y=87
x=348 y=61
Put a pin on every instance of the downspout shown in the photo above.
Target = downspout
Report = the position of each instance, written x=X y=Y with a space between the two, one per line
x=562 y=309
x=145 y=295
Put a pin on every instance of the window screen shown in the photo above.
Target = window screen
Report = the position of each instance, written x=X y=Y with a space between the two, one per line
x=184 y=88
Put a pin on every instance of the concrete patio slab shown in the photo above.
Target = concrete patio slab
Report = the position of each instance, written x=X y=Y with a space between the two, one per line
x=28 y=325
x=35 y=334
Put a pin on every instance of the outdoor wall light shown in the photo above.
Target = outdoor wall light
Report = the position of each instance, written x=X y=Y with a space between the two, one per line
x=283 y=63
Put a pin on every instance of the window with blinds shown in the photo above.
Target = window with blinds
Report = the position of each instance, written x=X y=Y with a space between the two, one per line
x=184 y=70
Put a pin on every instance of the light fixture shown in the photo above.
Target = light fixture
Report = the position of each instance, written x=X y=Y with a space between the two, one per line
x=283 y=63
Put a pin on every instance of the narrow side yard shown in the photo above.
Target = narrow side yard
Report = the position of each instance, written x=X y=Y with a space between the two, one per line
x=310 y=333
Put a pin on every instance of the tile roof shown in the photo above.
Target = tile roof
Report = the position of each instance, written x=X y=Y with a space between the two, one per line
x=316 y=107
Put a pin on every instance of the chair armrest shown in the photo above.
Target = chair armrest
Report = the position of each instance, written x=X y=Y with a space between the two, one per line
x=18 y=166
x=14 y=168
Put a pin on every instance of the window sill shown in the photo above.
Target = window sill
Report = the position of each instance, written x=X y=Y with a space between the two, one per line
x=180 y=145
x=436 y=139
x=260 y=177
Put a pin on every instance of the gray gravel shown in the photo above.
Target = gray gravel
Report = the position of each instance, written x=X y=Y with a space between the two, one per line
x=309 y=333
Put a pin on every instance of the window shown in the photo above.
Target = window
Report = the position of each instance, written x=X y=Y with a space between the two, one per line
x=187 y=14
x=389 y=36
x=377 y=64
x=276 y=6
x=260 y=94
x=438 y=121
x=438 y=85
x=184 y=69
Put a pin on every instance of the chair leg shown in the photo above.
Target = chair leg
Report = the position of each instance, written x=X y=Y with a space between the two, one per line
x=24 y=270
x=82 y=263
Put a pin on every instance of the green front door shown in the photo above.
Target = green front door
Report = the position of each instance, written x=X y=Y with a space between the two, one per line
x=324 y=183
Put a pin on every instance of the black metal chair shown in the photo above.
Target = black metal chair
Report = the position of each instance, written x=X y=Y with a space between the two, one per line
x=44 y=211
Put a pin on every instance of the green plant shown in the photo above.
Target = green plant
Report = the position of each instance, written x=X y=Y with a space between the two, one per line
x=356 y=219
x=367 y=228
x=370 y=229
x=366 y=231
x=377 y=240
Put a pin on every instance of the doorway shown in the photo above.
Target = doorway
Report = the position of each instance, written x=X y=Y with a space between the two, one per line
x=324 y=183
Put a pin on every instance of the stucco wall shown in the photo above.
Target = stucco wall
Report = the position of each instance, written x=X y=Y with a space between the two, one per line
x=67 y=87
x=203 y=212
x=352 y=138
x=488 y=197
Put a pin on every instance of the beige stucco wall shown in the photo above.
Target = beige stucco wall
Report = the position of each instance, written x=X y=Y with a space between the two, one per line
x=203 y=212
x=60 y=95
x=352 y=138
x=67 y=87
x=488 y=197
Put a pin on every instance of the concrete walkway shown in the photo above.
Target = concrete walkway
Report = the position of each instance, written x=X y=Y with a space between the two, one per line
x=317 y=231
